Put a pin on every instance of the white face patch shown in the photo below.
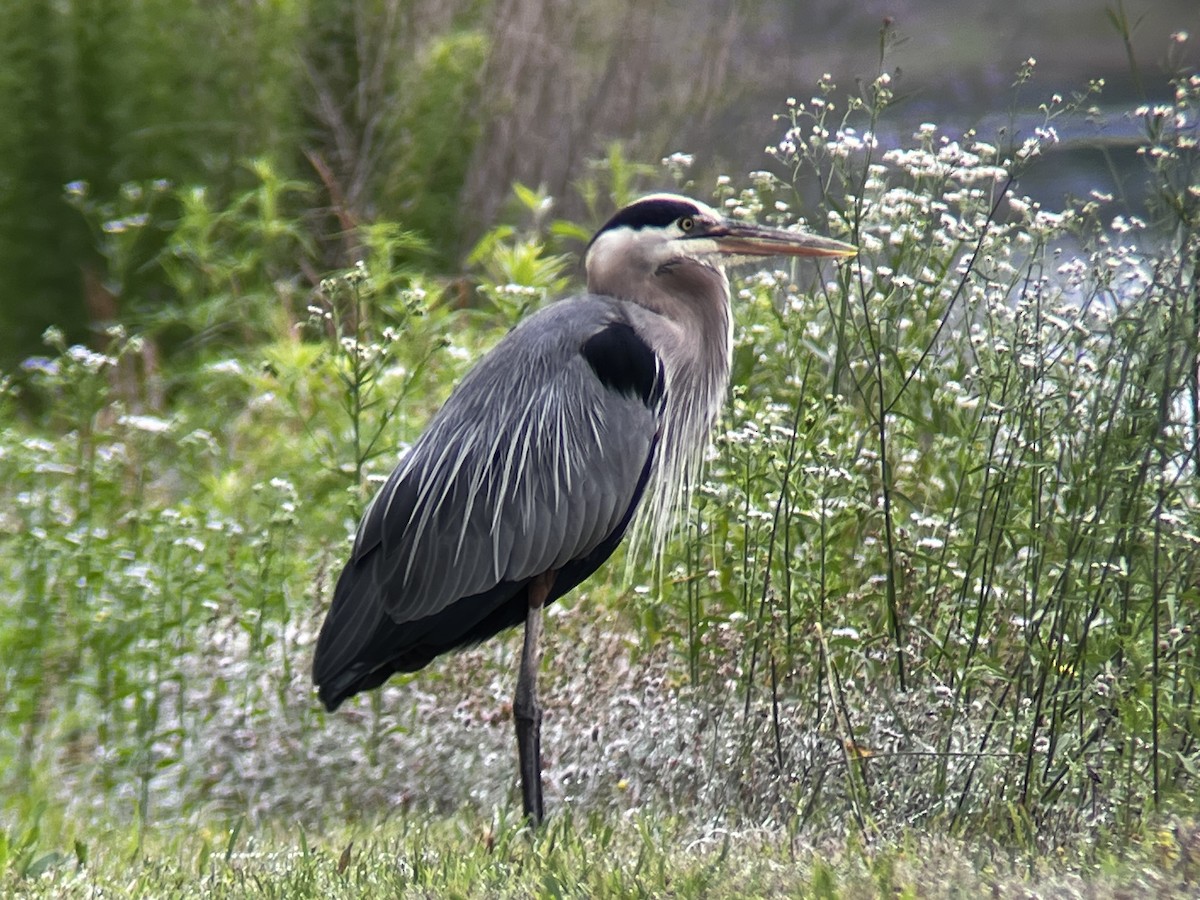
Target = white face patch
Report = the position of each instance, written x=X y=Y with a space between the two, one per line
x=648 y=247
x=618 y=247
x=643 y=250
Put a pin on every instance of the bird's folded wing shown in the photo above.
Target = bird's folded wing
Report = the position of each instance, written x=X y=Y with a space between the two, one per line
x=532 y=463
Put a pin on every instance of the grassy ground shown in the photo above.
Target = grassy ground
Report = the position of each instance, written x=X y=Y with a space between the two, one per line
x=639 y=855
x=632 y=812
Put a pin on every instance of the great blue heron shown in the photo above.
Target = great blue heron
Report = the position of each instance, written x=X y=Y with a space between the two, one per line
x=528 y=477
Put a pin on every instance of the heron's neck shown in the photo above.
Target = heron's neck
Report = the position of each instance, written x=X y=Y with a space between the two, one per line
x=700 y=297
x=691 y=300
x=689 y=326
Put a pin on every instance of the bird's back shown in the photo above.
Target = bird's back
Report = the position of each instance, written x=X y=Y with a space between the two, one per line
x=536 y=463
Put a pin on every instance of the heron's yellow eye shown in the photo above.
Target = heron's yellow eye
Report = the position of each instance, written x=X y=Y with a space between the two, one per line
x=686 y=223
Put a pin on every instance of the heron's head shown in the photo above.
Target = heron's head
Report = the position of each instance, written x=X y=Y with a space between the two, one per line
x=665 y=243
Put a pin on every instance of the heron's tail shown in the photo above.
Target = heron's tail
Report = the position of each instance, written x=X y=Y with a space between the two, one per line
x=360 y=646
x=348 y=657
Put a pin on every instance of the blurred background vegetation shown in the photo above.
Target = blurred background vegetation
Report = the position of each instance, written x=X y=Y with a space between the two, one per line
x=426 y=112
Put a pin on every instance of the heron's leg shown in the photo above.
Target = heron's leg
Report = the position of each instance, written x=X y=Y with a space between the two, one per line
x=526 y=711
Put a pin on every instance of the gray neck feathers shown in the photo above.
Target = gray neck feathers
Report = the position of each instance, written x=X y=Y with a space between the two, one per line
x=683 y=312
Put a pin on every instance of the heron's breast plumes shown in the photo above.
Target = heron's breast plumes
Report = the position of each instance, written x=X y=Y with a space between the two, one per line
x=695 y=343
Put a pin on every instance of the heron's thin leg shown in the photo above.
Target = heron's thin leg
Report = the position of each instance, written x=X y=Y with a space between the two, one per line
x=526 y=710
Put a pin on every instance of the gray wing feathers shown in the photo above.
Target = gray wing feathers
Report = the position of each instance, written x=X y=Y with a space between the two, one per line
x=543 y=458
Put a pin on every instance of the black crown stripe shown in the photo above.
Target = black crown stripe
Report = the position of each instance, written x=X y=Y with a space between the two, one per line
x=658 y=212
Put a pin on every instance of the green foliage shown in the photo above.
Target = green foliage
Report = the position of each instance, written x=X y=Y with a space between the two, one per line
x=237 y=267
x=40 y=245
x=969 y=459
x=613 y=181
x=128 y=234
x=148 y=539
x=373 y=354
x=102 y=93
x=435 y=136
x=576 y=855
x=114 y=575
x=103 y=98
x=519 y=271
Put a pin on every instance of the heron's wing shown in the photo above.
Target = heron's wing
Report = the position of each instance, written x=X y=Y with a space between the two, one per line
x=534 y=461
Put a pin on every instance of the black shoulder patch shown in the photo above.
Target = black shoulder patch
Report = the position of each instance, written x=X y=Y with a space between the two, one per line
x=656 y=212
x=625 y=363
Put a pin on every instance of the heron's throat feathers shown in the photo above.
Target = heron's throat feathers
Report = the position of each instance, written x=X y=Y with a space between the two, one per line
x=679 y=301
x=685 y=317
x=671 y=278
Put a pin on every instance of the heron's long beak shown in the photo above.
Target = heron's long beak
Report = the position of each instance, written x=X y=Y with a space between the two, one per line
x=738 y=239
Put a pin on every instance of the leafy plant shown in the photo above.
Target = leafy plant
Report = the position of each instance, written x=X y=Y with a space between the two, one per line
x=519 y=270
x=957 y=493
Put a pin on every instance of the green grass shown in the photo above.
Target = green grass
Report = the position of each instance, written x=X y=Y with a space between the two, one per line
x=584 y=856
x=929 y=627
